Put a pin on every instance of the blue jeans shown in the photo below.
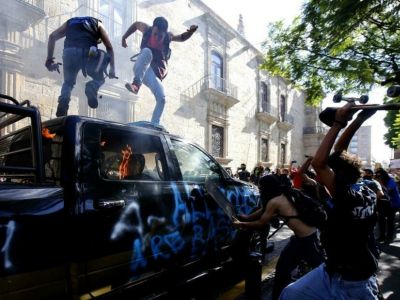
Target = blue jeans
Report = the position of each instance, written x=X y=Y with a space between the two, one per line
x=73 y=59
x=298 y=249
x=318 y=285
x=145 y=74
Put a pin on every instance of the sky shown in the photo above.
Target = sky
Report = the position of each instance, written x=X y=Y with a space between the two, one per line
x=256 y=16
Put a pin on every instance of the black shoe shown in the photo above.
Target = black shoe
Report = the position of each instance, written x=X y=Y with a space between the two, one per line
x=62 y=110
x=91 y=94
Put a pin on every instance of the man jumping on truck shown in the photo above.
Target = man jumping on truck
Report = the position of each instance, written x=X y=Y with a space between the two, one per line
x=154 y=52
x=82 y=35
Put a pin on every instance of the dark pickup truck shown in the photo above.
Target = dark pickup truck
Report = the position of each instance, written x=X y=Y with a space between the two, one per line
x=90 y=208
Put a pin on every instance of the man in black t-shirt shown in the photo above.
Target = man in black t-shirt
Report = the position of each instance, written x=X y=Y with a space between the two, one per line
x=349 y=271
x=243 y=174
x=82 y=34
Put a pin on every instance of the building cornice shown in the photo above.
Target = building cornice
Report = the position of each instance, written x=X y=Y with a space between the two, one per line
x=211 y=16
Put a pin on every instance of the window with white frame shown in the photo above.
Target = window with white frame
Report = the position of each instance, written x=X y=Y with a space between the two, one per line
x=217 y=73
x=217 y=141
x=113 y=14
x=264 y=149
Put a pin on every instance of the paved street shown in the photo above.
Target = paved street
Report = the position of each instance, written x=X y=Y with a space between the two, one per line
x=388 y=276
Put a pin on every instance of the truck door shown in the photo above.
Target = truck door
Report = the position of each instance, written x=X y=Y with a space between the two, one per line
x=130 y=223
x=209 y=228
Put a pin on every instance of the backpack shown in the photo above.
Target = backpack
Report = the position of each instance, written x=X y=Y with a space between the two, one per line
x=96 y=66
x=309 y=210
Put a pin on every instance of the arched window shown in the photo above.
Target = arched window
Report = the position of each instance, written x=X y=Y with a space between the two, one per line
x=217 y=73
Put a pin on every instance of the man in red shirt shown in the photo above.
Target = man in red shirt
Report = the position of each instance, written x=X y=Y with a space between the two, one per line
x=154 y=53
x=295 y=176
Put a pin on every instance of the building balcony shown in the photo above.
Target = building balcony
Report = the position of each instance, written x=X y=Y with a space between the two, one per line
x=267 y=115
x=18 y=15
x=10 y=59
x=224 y=161
x=318 y=130
x=286 y=122
x=219 y=90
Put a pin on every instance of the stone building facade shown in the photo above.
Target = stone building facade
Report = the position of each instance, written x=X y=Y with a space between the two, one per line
x=216 y=95
x=360 y=145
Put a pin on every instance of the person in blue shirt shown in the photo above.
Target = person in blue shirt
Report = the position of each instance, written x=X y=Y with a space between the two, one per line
x=387 y=209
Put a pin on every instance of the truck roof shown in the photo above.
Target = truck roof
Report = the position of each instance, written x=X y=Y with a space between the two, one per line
x=147 y=126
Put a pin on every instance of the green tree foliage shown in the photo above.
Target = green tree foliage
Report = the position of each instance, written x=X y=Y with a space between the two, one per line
x=348 y=45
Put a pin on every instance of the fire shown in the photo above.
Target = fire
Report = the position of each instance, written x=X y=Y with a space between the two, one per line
x=123 y=167
x=46 y=133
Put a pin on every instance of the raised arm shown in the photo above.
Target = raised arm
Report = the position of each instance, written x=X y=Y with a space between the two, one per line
x=344 y=140
x=306 y=164
x=142 y=27
x=269 y=212
x=184 y=36
x=302 y=171
x=106 y=41
x=253 y=216
x=53 y=37
x=320 y=160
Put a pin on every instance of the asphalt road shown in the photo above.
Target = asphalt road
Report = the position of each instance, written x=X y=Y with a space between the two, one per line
x=280 y=239
x=388 y=274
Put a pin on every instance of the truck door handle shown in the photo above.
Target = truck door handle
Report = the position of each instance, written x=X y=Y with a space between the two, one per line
x=106 y=203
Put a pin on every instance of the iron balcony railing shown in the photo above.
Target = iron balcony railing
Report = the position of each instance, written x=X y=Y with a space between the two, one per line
x=286 y=118
x=211 y=82
x=314 y=130
x=220 y=84
x=269 y=110
x=37 y=3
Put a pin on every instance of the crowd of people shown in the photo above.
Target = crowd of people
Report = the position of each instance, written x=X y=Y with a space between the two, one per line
x=360 y=205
